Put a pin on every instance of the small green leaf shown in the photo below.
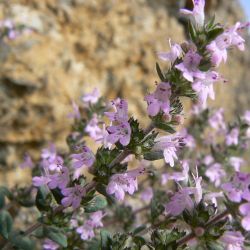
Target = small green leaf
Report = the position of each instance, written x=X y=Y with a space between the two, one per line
x=105 y=238
x=5 y=191
x=139 y=229
x=165 y=127
x=96 y=204
x=139 y=241
x=210 y=23
x=153 y=155
x=211 y=245
x=2 y=200
x=192 y=31
x=212 y=34
x=159 y=72
x=21 y=242
x=5 y=223
x=41 y=198
x=57 y=235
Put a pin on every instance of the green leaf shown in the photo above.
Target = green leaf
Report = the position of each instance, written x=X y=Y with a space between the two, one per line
x=192 y=31
x=2 y=200
x=100 y=188
x=57 y=235
x=210 y=23
x=156 y=207
x=139 y=229
x=96 y=204
x=105 y=238
x=5 y=223
x=5 y=191
x=21 y=242
x=165 y=127
x=41 y=199
x=159 y=72
x=153 y=155
x=211 y=245
x=212 y=34
x=139 y=241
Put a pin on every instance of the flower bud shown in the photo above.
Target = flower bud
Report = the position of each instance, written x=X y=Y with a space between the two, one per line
x=167 y=118
x=199 y=231
x=178 y=119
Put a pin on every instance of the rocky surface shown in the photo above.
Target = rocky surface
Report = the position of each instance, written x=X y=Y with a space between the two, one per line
x=79 y=44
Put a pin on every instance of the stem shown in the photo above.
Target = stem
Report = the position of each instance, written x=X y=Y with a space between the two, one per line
x=185 y=239
x=31 y=229
x=120 y=157
x=216 y=219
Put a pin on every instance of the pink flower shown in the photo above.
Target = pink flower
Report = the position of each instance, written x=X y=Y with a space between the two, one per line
x=208 y=159
x=216 y=120
x=204 y=87
x=87 y=230
x=233 y=137
x=246 y=117
x=92 y=97
x=40 y=181
x=237 y=189
x=174 y=53
x=96 y=219
x=197 y=190
x=104 y=138
x=147 y=194
x=159 y=100
x=233 y=240
x=213 y=197
x=120 y=113
x=49 y=153
x=76 y=112
x=60 y=179
x=218 y=47
x=179 y=202
x=188 y=139
x=119 y=184
x=92 y=128
x=168 y=144
x=73 y=196
x=120 y=132
x=215 y=173
x=189 y=66
x=245 y=211
x=177 y=176
x=197 y=15
x=236 y=162
x=85 y=158
x=50 y=245
x=27 y=163
x=50 y=159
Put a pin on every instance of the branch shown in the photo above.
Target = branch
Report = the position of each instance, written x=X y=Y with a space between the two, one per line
x=88 y=187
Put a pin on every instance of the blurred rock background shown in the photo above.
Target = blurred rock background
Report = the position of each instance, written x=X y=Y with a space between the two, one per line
x=80 y=44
